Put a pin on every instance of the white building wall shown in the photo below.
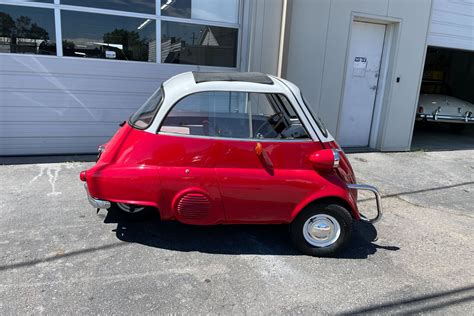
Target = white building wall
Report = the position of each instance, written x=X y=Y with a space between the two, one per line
x=307 y=33
x=319 y=35
x=264 y=36
x=399 y=113
x=452 y=24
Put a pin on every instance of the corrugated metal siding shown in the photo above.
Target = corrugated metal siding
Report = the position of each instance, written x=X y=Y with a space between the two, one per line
x=51 y=105
x=452 y=24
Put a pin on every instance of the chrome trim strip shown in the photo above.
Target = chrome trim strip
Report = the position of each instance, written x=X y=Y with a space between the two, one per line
x=378 y=200
x=96 y=202
x=270 y=140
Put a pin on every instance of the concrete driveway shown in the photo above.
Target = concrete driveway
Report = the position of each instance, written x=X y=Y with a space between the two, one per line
x=57 y=256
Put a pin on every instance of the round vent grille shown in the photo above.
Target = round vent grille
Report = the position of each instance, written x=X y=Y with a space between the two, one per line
x=194 y=206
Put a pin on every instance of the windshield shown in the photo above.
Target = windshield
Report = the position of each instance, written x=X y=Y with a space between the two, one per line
x=319 y=122
x=145 y=114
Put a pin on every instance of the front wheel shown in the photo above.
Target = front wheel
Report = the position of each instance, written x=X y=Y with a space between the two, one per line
x=321 y=230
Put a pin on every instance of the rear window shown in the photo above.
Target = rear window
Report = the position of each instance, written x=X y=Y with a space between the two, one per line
x=143 y=117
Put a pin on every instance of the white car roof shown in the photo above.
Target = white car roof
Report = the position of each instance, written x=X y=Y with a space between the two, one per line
x=249 y=82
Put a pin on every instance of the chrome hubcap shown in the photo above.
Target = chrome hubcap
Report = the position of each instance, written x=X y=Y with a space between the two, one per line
x=130 y=208
x=321 y=230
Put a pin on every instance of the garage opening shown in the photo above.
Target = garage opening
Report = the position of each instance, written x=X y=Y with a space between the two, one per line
x=445 y=112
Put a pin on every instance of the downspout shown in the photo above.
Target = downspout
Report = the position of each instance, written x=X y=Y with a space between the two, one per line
x=282 y=38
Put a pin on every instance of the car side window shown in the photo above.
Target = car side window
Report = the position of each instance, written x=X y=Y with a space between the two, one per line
x=213 y=113
x=233 y=114
x=274 y=117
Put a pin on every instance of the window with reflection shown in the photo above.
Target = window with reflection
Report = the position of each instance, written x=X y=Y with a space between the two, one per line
x=140 y=6
x=108 y=36
x=193 y=44
x=176 y=8
x=226 y=114
x=213 y=113
x=25 y=30
x=211 y=10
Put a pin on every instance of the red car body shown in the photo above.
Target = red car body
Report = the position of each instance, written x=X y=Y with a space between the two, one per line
x=204 y=169
x=156 y=170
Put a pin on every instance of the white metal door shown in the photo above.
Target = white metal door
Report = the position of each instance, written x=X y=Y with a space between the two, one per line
x=365 y=54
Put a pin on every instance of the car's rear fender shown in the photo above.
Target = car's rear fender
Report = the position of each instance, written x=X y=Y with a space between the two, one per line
x=129 y=184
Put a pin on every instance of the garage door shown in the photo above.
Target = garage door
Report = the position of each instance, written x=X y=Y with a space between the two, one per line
x=452 y=24
x=70 y=106
x=63 y=106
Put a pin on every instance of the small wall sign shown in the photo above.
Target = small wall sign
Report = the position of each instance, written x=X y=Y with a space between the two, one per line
x=359 y=67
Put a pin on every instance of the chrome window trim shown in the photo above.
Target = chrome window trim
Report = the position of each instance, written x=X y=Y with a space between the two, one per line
x=263 y=140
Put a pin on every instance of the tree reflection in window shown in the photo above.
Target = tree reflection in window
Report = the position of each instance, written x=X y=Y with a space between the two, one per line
x=109 y=37
x=25 y=30
x=134 y=46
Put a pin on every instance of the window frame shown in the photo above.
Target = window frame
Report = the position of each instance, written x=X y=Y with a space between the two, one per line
x=250 y=138
x=157 y=17
x=320 y=124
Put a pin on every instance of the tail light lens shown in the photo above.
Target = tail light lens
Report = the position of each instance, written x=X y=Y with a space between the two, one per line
x=420 y=109
x=82 y=176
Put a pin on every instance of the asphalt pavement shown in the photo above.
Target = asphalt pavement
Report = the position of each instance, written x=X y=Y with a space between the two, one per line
x=57 y=256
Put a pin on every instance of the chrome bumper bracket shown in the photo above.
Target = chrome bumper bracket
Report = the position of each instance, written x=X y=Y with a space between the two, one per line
x=96 y=202
x=378 y=200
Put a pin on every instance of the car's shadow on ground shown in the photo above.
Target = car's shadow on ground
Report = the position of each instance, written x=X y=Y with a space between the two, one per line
x=231 y=239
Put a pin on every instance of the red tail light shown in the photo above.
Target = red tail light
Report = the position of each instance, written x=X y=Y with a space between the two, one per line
x=420 y=109
x=82 y=176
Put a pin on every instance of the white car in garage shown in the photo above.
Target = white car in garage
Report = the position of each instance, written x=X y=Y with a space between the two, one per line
x=443 y=108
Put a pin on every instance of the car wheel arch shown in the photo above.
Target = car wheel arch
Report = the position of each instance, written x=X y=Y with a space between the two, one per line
x=326 y=200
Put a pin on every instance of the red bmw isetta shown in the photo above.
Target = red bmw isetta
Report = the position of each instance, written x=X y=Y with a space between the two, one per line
x=231 y=148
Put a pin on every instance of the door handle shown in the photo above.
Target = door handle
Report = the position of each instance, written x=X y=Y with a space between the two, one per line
x=373 y=88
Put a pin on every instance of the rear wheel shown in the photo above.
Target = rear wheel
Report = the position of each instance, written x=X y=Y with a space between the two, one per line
x=321 y=230
x=129 y=211
x=130 y=208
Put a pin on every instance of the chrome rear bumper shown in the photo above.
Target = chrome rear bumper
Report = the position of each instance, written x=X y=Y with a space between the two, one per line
x=445 y=118
x=96 y=202
x=378 y=201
